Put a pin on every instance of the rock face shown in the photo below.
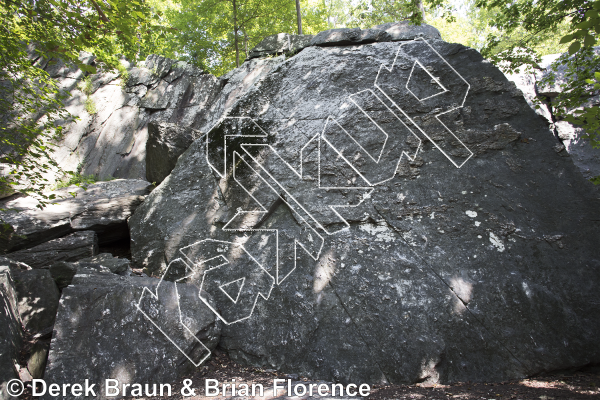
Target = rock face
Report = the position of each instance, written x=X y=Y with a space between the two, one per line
x=10 y=332
x=100 y=333
x=38 y=298
x=110 y=139
x=346 y=36
x=104 y=208
x=405 y=31
x=72 y=247
x=384 y=212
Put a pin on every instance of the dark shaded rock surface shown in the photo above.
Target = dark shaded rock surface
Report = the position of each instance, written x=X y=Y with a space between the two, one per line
x=103 y=207
x=72 y=247
x=38 y=298
x=166 y=142
x=362 y=223
x=101 y=334
x=115 y=265
x=12 y=264
x=10 y=332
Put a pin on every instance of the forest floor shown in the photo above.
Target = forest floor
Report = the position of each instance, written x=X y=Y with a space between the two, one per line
x=573 y=385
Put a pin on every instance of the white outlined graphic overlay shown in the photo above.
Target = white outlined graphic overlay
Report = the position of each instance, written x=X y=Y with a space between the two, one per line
x=410 y=85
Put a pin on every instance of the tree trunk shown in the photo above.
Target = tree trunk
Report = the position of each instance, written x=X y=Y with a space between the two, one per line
x=299 y=16
x=422 y=9
x=235 y=34
x=245 y=42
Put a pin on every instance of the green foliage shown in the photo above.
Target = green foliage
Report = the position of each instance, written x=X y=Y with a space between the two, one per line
x=374 y=12
x=86 y=85
x=90 y=106
x=123 y=74
x=202 y=31
x=76 y=179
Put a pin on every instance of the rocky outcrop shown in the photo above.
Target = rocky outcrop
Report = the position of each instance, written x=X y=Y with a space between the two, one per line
x=100 y=333
x=72 y=247
x=384 y=212
x=366 y=206
x=103 y=207
x=283 y=43
x=109 y=139
x=10 y=332
x=404 y=30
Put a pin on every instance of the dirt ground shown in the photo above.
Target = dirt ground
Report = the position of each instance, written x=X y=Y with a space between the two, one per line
x=572 y=385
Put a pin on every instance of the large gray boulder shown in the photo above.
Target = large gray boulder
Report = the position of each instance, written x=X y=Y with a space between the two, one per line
x=11 y=334
x=103 y=207
x=404 y=30
x=348 y=36
x=389 y=212
x=135 y=330
x=38 y=297
x=72 y=247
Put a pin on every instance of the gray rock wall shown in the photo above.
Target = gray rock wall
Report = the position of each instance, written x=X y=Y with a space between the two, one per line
x=111 y=142
x=102 y=207
x=366 y=206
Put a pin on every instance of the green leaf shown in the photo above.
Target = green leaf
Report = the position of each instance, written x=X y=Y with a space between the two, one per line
x=566 y=39
x=574 y=47
x=589 y=41
x=584 y=25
